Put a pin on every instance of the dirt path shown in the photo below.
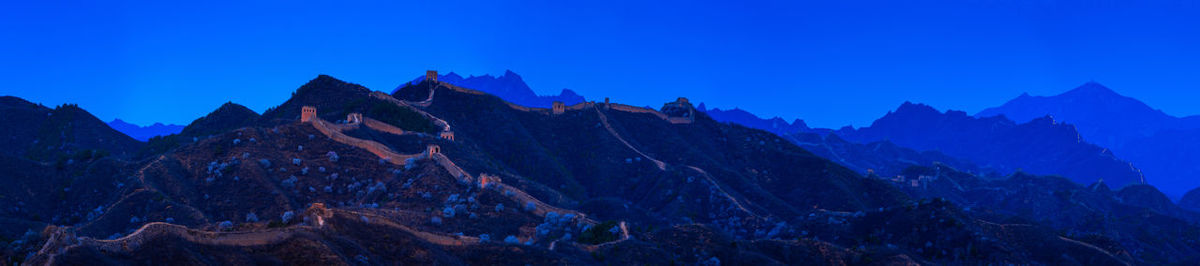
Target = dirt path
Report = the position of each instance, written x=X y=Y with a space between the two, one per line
x=607 y=126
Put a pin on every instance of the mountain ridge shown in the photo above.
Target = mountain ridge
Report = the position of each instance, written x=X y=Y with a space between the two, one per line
x=144 y=133
x=1158 y=143
x=999 y=143
x=509 y=86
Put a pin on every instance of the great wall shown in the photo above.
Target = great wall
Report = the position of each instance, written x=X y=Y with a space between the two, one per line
x=64 y=239
x=335 y=132
x=558 y=108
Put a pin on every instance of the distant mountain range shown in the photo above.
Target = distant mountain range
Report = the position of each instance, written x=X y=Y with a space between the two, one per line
x=1162 y=146
x=508 y=86
x=1101 y=115
x=144 y=133
x=1042 y=146
x=742 y=117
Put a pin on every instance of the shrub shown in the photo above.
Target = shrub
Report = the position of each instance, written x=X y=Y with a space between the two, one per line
x=251 y=217
x=511 y=239
x=500 y=207
x=225 y=226
x=484 y=238
x=287 y=217
x=600 y=233
x=435 y=220
x=296 y=161
x=448 y=212
x=290 y=182
x=333 y=156
x=530 y=206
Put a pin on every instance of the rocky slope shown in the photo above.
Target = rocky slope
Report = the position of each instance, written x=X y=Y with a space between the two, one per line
x=43 y=134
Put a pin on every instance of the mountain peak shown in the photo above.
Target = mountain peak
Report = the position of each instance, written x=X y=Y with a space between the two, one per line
x=328 y=84
x=230 y=106
x=908 y=107
x=509 y=74
x=1092 y=88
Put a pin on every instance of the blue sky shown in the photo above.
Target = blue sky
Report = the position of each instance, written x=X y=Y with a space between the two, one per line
x=831 y=63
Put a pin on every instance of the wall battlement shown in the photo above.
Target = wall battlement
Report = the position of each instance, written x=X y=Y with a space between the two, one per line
x=431 y=75
x=307 y=113
x=558 y=108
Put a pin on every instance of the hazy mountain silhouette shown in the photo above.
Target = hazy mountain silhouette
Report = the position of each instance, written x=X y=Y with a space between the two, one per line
x=1101 y=115
x=144 y=133
x=1161 y=145
x=1041 y=146
x=774 y=125
x=509 y=87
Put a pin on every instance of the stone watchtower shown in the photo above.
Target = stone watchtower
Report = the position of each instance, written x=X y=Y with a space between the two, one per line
x=352 y=118
x=447 y=135
x=307 y=113
x=558 y=108
x=431 y=150
x=431 y=75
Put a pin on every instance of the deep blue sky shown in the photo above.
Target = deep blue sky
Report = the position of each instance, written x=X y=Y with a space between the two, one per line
x=827 y=62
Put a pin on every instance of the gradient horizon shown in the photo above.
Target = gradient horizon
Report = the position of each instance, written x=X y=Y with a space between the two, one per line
x=828 y=63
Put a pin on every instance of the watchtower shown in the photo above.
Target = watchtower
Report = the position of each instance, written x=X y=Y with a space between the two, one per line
x=352 y=118
x=431 y=75
x=447 y=135
x=486 y=179
x=558 y=107
x=682 y=100
x=432 y=149
x=307 y=113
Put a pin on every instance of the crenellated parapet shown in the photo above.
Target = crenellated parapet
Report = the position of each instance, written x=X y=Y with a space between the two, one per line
x=307 y=113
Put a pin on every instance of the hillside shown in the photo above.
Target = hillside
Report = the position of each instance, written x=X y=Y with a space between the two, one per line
x=881 y=158
x=67 y=131
x=1126 y=223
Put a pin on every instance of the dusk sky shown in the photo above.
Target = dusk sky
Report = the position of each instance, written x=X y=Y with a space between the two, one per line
x=831 y=63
